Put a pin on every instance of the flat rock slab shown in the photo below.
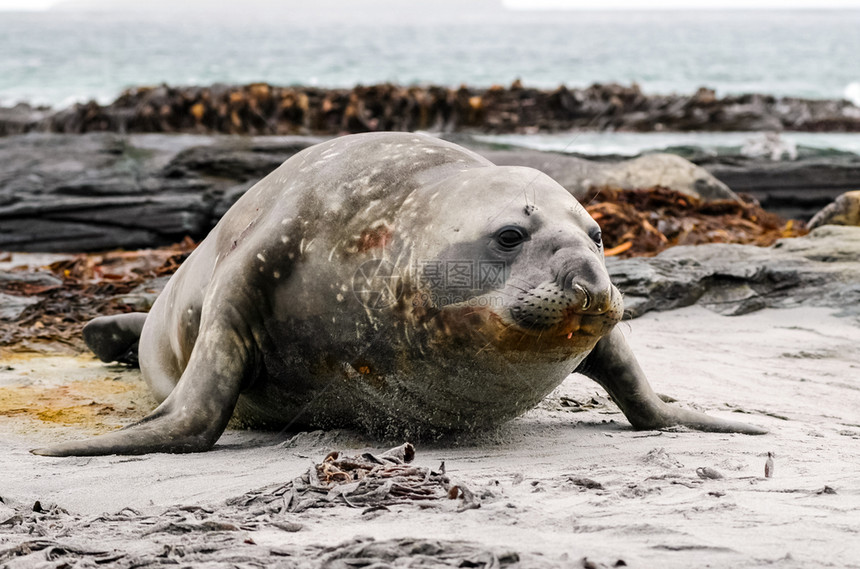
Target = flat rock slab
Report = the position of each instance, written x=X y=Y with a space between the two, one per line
x=820 y=269
x=102 y=191
x=795 y=189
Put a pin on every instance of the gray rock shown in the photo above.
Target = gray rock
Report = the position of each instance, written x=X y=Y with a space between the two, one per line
x=22 y=118
x=143 y=296
x=579 y=175
x=845 y=210
x=11 y=307
x=821 y=269
x=35 y=278
x=229 y=197
x=101 y=191
x=794 y=189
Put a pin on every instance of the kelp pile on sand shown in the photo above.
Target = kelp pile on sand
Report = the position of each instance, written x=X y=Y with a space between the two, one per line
x=57 y=300
x=223 y=534
x=365 y=481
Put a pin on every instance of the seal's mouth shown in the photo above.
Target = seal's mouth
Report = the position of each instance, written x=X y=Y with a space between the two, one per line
x=482 y=328
x=572 y=324
x=549 y=309
x=542 y=320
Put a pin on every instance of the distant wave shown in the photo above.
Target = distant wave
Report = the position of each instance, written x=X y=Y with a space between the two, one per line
x=852 y=92
x=713 y=143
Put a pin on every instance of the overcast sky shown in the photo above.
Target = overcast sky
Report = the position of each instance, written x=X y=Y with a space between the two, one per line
x=682 y=4
x=577 y=4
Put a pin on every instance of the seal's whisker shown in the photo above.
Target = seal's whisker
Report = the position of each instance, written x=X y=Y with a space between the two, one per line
x=523 y=357
x=594 y=197
x=526 y=196
x=484 y=347
x=519 y=289
x=520 y=341
x=525 y=290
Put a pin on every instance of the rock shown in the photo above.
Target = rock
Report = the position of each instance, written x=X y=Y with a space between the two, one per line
x=11 y=307
x=579 y=175
x=229 y=197
x=845 y=210
x=25 y=286
x=22 y=118
x=793 y=189
x=142 y=297
x=32 y=279
x=101 y=191
x=668 y=171
x=821 y=269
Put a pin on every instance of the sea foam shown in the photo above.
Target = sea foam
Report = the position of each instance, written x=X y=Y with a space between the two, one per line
x=852 y=92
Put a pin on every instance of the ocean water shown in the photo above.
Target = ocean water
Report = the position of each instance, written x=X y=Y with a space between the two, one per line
x=57 y=58
x=787 y=144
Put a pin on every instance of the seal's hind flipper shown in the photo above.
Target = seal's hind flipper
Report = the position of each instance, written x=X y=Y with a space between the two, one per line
x=613 y=365
x=195 y=413
x=115 y=338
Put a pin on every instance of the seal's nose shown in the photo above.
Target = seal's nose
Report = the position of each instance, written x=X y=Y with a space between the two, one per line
x=593 y=301
x=583 y=274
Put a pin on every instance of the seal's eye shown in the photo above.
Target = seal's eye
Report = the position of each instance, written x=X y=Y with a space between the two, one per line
x=596 y=236
x=510 y=236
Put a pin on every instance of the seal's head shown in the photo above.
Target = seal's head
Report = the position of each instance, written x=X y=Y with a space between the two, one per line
x=510 y=261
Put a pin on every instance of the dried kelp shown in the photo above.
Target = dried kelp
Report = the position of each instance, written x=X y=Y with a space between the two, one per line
x=223 y=535
x=645 y=222
x=261 y=108
x=363 y=481
x=70 y=292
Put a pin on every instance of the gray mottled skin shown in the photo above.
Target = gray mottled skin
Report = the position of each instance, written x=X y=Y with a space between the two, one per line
x=262 y=318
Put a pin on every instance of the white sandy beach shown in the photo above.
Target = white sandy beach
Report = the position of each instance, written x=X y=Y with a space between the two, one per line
x=793 y=371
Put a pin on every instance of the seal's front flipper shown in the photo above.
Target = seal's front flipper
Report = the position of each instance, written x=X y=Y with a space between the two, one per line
x=115 y=338
x=613 y=365
x=195 y=413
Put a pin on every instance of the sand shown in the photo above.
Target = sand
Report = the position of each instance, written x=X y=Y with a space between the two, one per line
x=794 y=371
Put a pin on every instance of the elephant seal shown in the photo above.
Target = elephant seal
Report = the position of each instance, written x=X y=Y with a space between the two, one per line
x=392 y=282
